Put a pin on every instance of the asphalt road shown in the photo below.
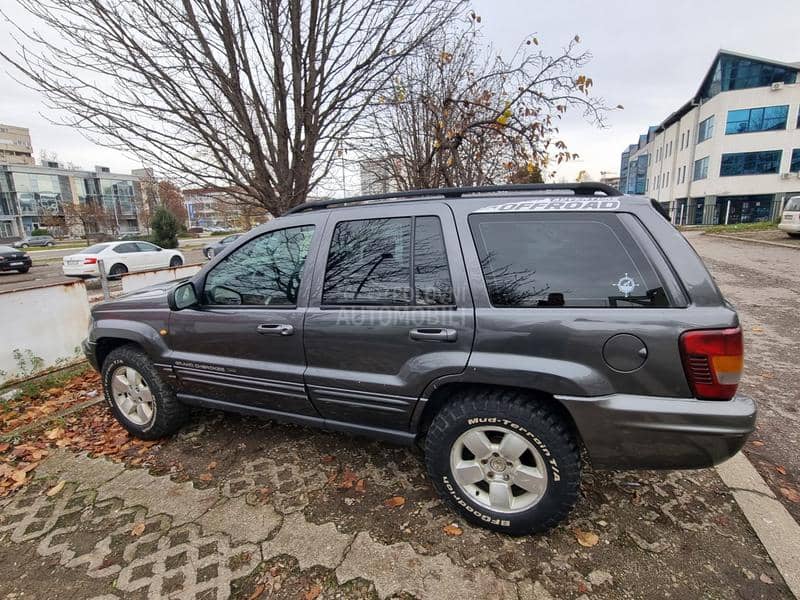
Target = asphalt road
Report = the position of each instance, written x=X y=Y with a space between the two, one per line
x=763 y=283
x=46 y=267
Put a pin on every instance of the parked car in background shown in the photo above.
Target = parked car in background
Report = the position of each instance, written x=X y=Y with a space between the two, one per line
x=211 y=249
x=120 y=258
x=35 y=240
x=505 y=329
x=790 y=221
x=12 y=259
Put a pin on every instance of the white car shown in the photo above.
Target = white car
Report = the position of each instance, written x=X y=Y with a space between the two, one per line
x=120 y=258
x=790 y=220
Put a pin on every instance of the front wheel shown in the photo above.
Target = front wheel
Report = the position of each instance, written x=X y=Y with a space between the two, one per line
x=140 y=400
x=25 y=270
x=175 y=261
x=23 y=245
x=50 y=244
x=504 y=460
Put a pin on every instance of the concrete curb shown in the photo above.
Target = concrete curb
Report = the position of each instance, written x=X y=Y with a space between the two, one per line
x=775 y=527
x=740 y=238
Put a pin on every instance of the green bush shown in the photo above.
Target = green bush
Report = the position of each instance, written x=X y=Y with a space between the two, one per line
x=39 y=231
x=165 y=228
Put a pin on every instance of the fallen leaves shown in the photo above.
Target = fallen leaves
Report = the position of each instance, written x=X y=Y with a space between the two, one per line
x=137 y=529
x=259 y=589
x=791 y=494
x=313 y=592
x=206 y=477
x=453 y=530
x=394 y=502
x=781 y=469
x=55 y=489
x=54 y=434
x=17 y=464
x=349 y=478
x=587 y=539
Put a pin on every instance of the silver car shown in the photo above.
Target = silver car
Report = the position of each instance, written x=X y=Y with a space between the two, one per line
x=211 y=249
x=35 y=240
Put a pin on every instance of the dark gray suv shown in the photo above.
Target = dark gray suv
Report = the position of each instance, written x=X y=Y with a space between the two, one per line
x=505 y=329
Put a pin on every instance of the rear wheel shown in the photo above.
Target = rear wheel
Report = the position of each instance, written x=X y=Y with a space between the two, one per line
x=23 y=245
x=50 y=244
x=175 y=261
x=138 y=397
x=504 y=461
x=209 y=253
x=118 y=270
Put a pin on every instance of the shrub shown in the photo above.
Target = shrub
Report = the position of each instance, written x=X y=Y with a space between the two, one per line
x=165 y=228
x=39 y=231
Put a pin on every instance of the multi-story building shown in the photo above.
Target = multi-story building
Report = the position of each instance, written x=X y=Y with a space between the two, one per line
x=67 y=201
x=731 y=154
x=376 y=176
x=218 y=208
x=15 y=145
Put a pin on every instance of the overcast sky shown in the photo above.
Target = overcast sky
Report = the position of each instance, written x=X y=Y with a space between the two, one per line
x=648 y=56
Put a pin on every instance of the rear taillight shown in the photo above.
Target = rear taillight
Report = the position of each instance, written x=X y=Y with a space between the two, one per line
x=90 y=261
x=713 y=361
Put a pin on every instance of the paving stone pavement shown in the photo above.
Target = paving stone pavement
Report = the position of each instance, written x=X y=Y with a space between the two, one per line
x=116 y=532
x=175 y=557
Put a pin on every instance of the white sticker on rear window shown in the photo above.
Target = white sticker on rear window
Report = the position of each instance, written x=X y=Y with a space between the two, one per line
x=552 y=205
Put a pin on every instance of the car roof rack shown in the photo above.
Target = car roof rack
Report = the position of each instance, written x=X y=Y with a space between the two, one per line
x=579 y=189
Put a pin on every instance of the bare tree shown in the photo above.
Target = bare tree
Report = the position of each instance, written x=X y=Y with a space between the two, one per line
x=460 y=113
x=250 y=95
x=171 y=198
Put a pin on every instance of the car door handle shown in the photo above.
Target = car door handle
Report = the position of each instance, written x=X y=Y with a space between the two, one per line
x=275 y=329
x=435 y=334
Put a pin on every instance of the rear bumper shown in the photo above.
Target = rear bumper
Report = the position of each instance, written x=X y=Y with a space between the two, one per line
x=789 y=226
x=79 y=270
x=623 y=431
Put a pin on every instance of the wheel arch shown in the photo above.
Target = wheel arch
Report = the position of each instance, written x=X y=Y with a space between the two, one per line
x=428 y=408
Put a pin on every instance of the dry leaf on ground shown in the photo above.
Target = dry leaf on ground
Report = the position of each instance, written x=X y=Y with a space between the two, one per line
x=348 y=480
x=361 y=486
x=453 y=530
x=206 y=477
x=257 y=592
x=137 y=529
x=587 y=539
x=791 y=494
x=55 y=489
x=313 y=592
x=394 y=501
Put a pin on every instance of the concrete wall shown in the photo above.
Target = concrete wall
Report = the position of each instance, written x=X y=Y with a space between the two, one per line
x=41 y=328
x=135 y=281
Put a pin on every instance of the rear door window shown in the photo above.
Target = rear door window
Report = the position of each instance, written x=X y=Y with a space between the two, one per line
x=563 y=260
x=371 y=262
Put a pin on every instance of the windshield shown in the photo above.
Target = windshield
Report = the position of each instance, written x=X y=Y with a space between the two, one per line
x=96 y=249
x=793 y=205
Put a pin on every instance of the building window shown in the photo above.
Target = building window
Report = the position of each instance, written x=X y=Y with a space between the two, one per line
x=750 y=163
x=768 y=118
x=705 y=130
x=737 y=73
x=700 y=169
x=795 y=167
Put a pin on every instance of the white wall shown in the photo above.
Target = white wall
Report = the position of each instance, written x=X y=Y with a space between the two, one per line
x=135 y=281
x=41 y=328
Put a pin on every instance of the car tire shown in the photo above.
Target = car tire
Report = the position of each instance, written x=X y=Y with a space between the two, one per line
x=129 y=366
x=23 y=245
x=175 y=261
x=210 y=253
x=117 y=270
x=25 y=270
x=49 y=244
x=548 y=464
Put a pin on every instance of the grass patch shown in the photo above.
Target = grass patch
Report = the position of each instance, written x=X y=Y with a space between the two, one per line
x=741 y=227
x=34 y=387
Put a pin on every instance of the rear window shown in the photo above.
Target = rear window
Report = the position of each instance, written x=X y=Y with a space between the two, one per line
x=563 y=260
x=793 y=205
x=96 y=249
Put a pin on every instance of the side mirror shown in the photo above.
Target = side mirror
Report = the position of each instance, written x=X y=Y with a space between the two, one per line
x=182 y=296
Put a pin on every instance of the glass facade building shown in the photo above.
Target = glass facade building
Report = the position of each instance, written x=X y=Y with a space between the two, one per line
x=37 y=196
x=699 y=162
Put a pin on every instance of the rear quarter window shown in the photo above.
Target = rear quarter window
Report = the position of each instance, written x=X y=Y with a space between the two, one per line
x=564 y=260
x=793 y=205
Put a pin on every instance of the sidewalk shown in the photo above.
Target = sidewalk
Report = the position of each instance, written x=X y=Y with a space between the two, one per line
x=251 y=509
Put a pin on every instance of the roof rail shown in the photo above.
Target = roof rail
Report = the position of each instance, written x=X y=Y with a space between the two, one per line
x=579 y=189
